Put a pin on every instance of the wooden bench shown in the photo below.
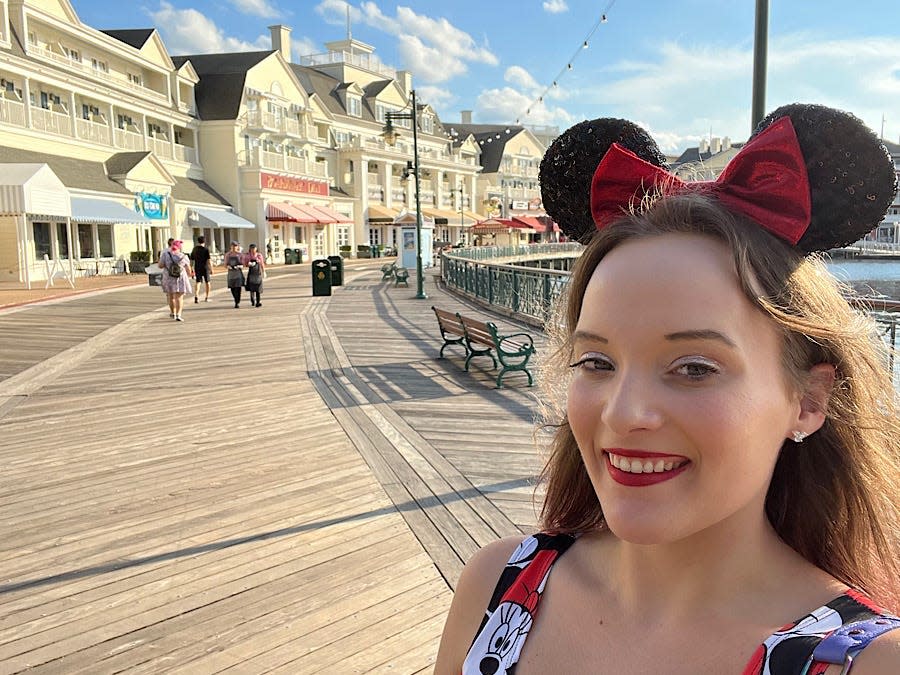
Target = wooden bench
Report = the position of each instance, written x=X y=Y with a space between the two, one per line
x=387 y=271
x=452 y=330
x=483 y=339
x=401 y=276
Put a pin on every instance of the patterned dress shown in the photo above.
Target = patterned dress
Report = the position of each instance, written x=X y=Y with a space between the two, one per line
x=513 y=607
x=181 y=283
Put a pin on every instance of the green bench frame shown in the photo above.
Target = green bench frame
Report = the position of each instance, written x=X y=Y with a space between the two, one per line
x=481 y=338
x=401 y=276
x=387 y=271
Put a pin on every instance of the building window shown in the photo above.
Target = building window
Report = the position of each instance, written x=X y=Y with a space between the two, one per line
x=99 y=66
x=375 y=236
x=354 y=106
x=42 y=246
x=343 y=235
x=298 y=234
x=380 y=112
x=72 y=54
x=85 y=241
x=105 y=239
x=62 y=241
x=428 y=124
x=135 y=78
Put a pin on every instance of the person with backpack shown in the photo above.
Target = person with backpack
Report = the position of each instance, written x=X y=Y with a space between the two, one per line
x=256 y=272
x=176 y=278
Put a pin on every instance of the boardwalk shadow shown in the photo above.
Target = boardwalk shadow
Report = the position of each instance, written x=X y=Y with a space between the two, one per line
x=432 y=501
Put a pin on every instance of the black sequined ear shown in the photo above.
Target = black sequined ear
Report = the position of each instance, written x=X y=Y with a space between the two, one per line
x=851 y=176
x=568 y=167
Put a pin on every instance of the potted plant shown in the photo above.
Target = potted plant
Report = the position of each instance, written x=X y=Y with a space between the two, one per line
x=138 y=261
x=345 y=251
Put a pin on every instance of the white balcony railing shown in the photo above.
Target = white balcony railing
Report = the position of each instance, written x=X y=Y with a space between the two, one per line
x=160 y=147
x=12 y=112
x=128 y=140
x=185 y=153
x=51 y=122
x=93 y=131
x=263 y=159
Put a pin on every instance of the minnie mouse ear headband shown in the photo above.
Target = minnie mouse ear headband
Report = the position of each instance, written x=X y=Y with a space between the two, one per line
x=813 y=176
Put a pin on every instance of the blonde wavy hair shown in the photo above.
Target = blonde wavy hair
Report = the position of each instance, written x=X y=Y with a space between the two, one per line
x=835 y=498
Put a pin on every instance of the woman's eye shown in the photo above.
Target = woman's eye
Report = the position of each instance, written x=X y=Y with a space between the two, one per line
x=696 y=370
x=593 y=362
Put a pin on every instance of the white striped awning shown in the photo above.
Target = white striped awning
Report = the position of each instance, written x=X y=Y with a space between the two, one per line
x=90 y=210
x=219 y=218
x=32 y=189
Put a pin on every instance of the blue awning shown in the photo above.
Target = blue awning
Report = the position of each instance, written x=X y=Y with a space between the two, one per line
x=88 y=210
x=216 y=218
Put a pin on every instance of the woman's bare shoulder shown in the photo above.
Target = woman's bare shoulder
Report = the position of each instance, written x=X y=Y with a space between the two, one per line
x=881 y=657
x=470 y=600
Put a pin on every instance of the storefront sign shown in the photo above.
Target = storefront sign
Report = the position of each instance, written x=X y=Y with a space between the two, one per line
x=152 y=205
x=307 y=186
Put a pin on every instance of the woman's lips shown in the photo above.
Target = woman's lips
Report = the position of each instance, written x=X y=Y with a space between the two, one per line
x=638 y=468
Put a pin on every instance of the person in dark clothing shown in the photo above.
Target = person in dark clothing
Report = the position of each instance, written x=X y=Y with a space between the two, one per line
x=256 y=271
x=235 y=278
x=201 y=259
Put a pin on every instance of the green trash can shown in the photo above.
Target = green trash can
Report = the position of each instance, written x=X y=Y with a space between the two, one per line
x=289 y=256
x=321 y=276
x=337 y=270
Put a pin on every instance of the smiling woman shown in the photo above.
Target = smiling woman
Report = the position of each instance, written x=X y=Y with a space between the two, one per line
x=726 y=458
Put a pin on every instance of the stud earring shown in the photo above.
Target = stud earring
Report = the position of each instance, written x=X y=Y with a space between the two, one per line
x=798 y=436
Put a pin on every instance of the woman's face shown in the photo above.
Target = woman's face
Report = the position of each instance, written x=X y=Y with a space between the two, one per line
x=679 y=402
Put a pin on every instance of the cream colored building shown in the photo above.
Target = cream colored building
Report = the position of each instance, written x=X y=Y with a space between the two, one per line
x=359 y=91
x=510 y=158
x=114 y=120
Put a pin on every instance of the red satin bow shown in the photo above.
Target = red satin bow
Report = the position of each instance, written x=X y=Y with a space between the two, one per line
x=766 y=181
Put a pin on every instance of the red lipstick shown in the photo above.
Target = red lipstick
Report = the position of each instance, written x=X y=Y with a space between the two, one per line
x=640 y=479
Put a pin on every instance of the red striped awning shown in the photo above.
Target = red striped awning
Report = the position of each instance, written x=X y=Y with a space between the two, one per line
x=328 y=215
x=291 y=213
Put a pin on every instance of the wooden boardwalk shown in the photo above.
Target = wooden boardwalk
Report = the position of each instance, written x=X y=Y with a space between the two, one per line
x=287 y=489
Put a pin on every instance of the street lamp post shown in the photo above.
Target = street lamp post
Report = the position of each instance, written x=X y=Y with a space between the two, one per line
x=390 y=137
x=462 y=222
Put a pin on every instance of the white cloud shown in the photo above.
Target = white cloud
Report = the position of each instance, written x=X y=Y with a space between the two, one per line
x=436 y=97
x=506 y=105
x=304 y=46
x=522 y=79
x=187 y=31
x=556 y=6
x=433 y=49
x=259 y=8
x=685 y=92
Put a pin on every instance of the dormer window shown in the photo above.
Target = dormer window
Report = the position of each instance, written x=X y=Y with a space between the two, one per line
x=354 y=106
x=428 y=124
x=380 y=110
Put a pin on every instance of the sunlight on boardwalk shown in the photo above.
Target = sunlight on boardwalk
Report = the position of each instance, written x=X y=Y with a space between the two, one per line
x=184 y=499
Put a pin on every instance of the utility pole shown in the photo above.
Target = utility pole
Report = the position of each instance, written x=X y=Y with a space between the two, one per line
x=760 y=48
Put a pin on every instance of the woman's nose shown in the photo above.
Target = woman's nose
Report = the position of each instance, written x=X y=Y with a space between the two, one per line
x=631 y=404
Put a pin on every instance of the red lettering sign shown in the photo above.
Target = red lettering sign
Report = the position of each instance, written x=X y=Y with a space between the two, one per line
x=269 y=181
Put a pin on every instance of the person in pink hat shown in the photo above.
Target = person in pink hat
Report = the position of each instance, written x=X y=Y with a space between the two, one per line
x=176 y=278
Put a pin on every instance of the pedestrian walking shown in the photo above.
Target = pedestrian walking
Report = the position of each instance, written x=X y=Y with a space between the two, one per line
x=201 y=260
x=256 y=272
x=176 y=278
x=235 y=274
x=722 y=491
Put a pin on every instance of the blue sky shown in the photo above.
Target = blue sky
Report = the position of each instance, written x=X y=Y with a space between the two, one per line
x=680 y=68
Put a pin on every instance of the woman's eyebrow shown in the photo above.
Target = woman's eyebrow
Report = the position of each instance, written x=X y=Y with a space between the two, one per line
x=588 y=336
x=702 y=334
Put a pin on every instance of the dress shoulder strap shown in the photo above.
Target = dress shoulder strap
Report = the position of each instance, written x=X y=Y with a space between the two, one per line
x=514 y=603
x=833 y=633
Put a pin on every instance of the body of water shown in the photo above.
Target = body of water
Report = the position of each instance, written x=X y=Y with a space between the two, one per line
x=869 y=277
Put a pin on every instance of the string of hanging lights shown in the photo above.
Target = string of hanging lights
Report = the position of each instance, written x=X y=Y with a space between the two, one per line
x=585 y=43
x=569 y=64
